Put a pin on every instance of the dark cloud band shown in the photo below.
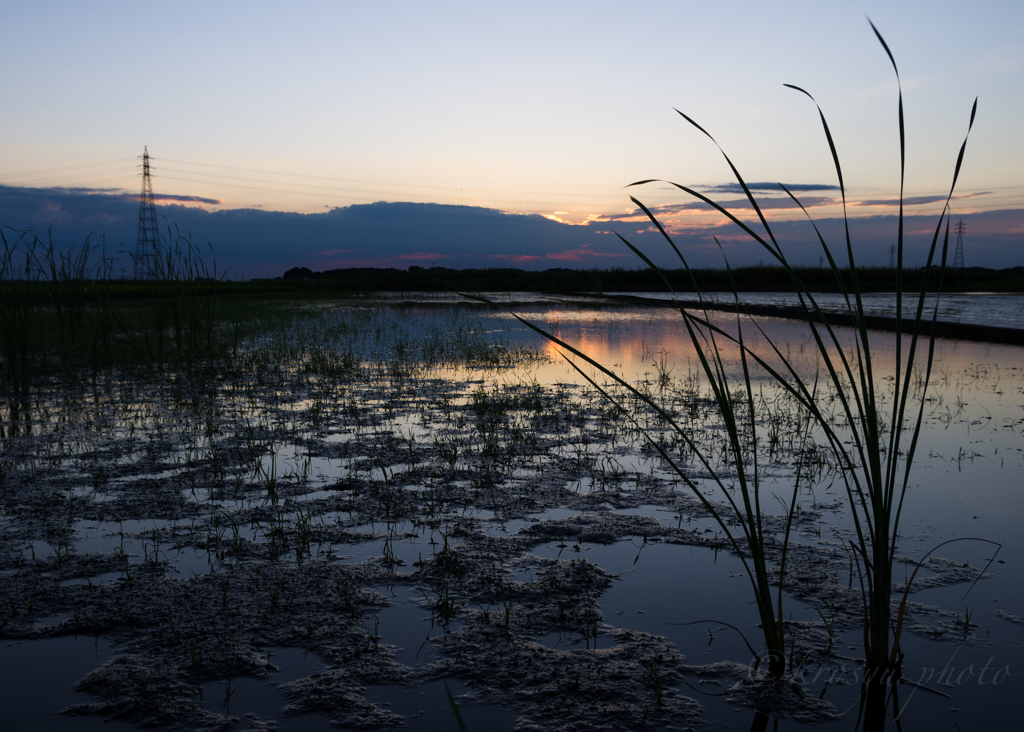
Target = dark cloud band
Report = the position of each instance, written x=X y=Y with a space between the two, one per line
x=255 y=242
x=768 y=186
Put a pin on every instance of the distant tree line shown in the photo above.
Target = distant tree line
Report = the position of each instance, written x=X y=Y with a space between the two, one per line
x=744 y=279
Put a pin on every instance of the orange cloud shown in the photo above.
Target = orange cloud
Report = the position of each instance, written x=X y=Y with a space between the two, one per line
x=559 y=217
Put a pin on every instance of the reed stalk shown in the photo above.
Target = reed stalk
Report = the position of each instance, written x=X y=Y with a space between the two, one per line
x=56 y=307
x=739 y=482
x=19 y=314
x=179 y=318
x=876 y=449
x=45 y=295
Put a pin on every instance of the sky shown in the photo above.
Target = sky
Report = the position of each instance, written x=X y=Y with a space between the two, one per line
x=337 y=134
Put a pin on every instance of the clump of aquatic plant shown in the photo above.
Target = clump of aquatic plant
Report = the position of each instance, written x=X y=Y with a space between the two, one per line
x=877 y=444
x=738 y=479
x=18 y=316
x=64 y=306
x=179 y=317
x=49 y=296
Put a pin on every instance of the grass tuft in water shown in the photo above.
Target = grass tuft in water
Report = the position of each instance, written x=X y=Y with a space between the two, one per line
x=877 y=444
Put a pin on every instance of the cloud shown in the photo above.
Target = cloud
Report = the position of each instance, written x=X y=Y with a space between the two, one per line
x=157 y=197
x=558 y=216
x=768 y=186
x=914 y=200
x=729 y=205
x=332 y=252
x=895 y=202
x=69 y=190
x=254 y=242
x=111 y=193
x=422 y=256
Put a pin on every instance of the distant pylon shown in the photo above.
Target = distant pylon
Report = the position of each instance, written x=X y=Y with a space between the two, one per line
x=147 y=258
x=892 y=256
x=958 y=256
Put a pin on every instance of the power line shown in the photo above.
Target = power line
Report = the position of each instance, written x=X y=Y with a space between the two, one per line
x=357 y=189
x=351 y=193
x=390 y=184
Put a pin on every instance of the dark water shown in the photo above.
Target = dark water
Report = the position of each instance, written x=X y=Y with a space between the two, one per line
x=996 y=309
x=967 y=482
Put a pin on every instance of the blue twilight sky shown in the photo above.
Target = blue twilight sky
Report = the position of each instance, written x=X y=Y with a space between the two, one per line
x=330 y=134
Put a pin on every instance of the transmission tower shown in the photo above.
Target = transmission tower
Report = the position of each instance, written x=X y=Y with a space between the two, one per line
x=892 y=256
x=958 y=256
x=147 y=258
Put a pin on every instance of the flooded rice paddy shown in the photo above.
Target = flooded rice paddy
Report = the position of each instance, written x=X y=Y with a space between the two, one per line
x=383 y=498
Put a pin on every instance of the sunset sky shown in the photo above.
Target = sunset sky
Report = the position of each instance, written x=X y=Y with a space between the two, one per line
x=257 y=112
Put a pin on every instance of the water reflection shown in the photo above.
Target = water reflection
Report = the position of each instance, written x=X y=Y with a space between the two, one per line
x=638 y=343
x=1004 y=310
x=973 y=418
x=387 y=444
x=15 y=419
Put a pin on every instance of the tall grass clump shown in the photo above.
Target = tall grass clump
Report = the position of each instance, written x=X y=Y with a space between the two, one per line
x=733 y=471
x=877 y=444
x=63 y=307
x=19 y=315
x=877 y=440
x=50 y=299
x=179 y=316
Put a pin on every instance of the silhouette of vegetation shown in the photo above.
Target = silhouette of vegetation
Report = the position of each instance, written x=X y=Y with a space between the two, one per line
x=876 y=441
x=745 y=279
